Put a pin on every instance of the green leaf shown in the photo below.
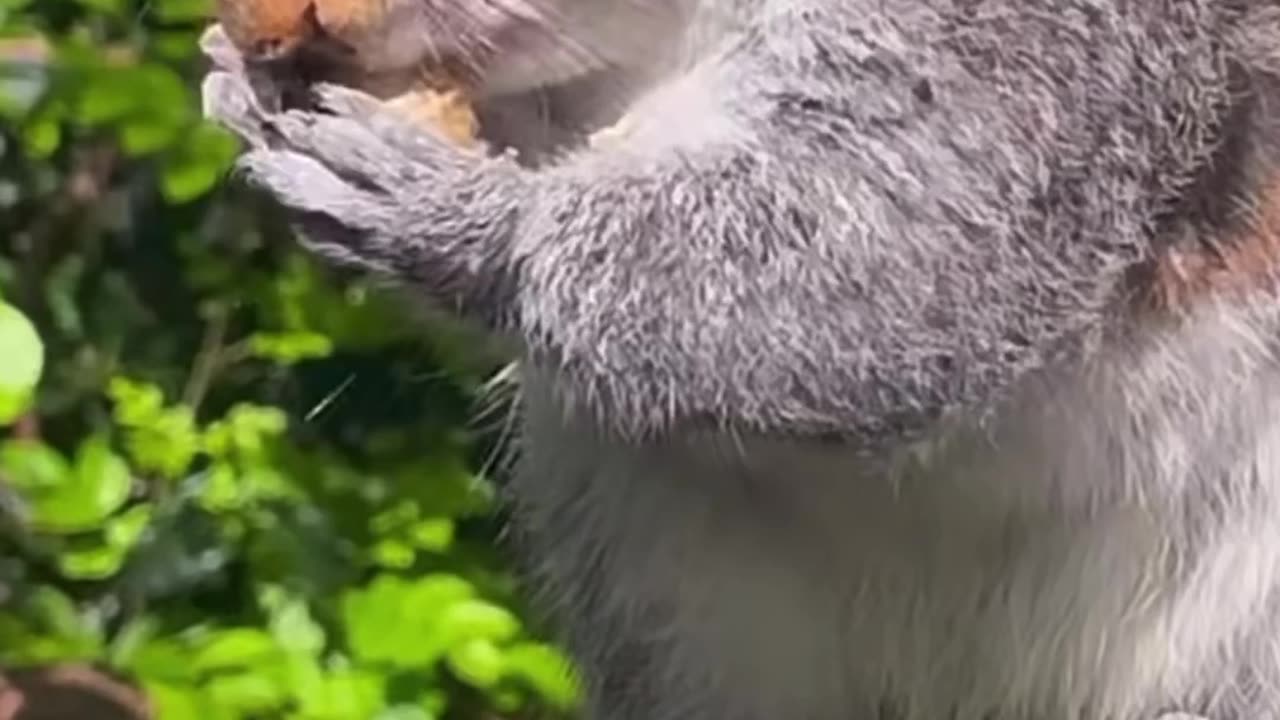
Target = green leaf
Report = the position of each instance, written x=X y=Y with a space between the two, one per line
x=221 y=491
x=160 y=114
x=295 y=630
x=57 y=611
x=306 y=682
x=23 y=354
x=105 y=475
x=175 y=702
x=134 y=403
x=245 y=431
x=101 y=557
x=506 y=700
x=395 y=518
x=393 y=554
x=109 y=97
x=247 y=693
x=400 y=622
x=32 y=466
x=476 y=619
x=161 y=659
x=234 y=649
x=160 y=440
x=61 y=288
x=351 y=693
x=168 y=444
x=546 y=671
x=405 y=712
x=476 y=662
x=434 y=534
x=42 y=136
x=109 y=7
x=445 y=485
x=182 y=11
x=129 y=642
x=195 y=166
x=65 y=633
x=98 y=486
x=93 y=563
x=125 y=530
x=180 y=702
x=291 y=347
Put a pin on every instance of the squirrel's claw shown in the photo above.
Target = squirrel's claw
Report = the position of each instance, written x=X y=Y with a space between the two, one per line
x=343 y=224
x=348 y=148
x=216 y=46
x=230 y=101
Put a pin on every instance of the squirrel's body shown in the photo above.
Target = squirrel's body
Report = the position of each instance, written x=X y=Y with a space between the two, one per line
x=1102 y=543
x=1057 y=562
x=903 y=359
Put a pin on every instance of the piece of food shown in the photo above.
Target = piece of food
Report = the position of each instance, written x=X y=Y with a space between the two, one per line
x=274 y=37
x=442 y=102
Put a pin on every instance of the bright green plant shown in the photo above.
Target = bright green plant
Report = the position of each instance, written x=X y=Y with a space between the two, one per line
x=24 y=361
x=254 y=490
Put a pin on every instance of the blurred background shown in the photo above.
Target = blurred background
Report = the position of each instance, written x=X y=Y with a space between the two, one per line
x=232 y=485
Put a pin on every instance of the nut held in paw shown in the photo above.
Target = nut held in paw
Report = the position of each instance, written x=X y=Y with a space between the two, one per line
x=299 y=42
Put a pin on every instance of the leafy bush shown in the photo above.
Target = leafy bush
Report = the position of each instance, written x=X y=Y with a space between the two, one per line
x=249 y=488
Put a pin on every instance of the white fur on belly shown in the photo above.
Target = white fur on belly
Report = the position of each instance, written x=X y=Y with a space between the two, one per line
x=1100 y=547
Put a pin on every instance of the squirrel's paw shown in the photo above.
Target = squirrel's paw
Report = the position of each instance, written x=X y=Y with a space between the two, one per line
x=364 y=186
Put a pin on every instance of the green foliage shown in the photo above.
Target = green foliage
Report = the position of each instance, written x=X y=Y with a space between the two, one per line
x=250 y=488
x=24 y=361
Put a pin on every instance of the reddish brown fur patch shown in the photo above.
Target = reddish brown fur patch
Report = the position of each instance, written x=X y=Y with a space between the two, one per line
x=248 y=23
x=1244 y=260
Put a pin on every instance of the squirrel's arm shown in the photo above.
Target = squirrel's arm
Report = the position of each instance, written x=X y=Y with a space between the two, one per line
x=858 y=216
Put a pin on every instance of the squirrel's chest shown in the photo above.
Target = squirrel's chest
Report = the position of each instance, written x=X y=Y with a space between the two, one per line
x=1039 y=568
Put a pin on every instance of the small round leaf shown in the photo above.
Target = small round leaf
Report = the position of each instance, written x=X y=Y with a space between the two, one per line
x=23 y=354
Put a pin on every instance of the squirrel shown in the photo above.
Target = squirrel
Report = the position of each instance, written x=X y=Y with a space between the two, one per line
x=895 y=360
x=342 y=41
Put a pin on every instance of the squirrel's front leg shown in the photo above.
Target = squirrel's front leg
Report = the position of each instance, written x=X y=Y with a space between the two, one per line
x=373 y=189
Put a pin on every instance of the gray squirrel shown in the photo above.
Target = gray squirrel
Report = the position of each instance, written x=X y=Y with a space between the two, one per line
x=883 y=360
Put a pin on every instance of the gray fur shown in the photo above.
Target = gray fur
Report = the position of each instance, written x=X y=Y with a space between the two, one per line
x=836 y=405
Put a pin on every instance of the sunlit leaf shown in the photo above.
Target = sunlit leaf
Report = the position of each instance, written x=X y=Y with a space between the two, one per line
x=247 y=693
x=97 y=563
x=546 y=670
x=473 y=618
x=96 y=486
x=400 y=622
x=23 y=354
x=178 y=702
x=32 y=466
x=477 y=662
x=235 y=648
